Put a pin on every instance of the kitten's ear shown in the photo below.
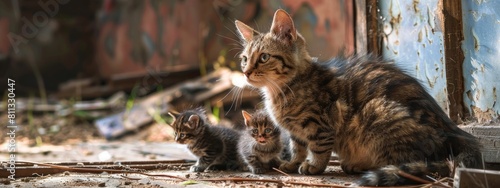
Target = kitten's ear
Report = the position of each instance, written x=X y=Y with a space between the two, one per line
x=245 y=31
x=193 y=121
x=283 y=26
x=174 y=115
x=247 y=116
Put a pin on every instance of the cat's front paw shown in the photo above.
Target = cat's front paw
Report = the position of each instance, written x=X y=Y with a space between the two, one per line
x=289 y=167
x=195 y=168
x=308 y=169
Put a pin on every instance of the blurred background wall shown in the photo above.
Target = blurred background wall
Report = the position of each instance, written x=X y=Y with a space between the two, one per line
x=45 y=44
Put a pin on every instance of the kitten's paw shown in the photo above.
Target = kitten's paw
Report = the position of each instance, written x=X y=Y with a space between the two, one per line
x=257 y=170
x=289 y=167
x=308 y=169
x=196 y=169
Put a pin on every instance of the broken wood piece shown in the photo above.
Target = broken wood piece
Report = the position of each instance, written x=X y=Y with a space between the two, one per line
x=158 y=103
x=28 y=169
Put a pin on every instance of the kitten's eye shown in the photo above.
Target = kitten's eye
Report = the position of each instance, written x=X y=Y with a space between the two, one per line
x=255 y=131
x=264 y=57
x=268 y=130
x=244 y=59
x=182 y=135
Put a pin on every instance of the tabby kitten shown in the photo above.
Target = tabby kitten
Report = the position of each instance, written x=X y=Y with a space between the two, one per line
x=263 y=145
x=377 y=118
x=215 y=146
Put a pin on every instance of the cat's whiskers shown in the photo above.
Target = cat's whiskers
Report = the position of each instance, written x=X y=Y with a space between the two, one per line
x=276 y=88
x=229 y=38
x=288 y=87
x=235 y=48
x=237 y=97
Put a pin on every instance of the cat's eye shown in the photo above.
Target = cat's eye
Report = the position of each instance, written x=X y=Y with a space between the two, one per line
x=264 y=57
x=255 y=131
x=244 y=58
x=267 y=130
x=182 y=135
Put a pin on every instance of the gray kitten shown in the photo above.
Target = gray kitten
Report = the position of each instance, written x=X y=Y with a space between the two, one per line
x=263 y=145
x=215 y=146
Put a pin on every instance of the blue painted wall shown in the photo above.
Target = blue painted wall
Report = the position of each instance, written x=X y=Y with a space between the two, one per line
x=412 y=36
x=481 y=47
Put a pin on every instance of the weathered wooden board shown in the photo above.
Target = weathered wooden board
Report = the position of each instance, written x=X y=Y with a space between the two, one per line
x=193 y=91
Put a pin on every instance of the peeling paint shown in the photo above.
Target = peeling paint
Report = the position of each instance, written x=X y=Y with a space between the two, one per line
x=482 y=57
x=414 y=39
x=484 y=116
x=431 y=20
x=476 y=40
x=419 y=39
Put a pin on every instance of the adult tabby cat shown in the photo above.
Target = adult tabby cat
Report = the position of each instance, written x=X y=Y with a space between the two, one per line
x=263 y=145
x=215 y=146
x=377 y=118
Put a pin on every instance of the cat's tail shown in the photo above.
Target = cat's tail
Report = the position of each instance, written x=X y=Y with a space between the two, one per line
x=395 y=175
x=468 y=155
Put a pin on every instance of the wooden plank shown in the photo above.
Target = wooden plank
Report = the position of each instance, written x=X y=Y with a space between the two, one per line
x=193 y=91
x=466 y=177
x=489 y=137
x=373 y=31
x=29 y=170
x=453 y=36
x=361 y=33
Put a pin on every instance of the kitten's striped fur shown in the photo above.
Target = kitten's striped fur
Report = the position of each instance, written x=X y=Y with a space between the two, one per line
x=263 y=145
x=373 y=115
x=215 y=146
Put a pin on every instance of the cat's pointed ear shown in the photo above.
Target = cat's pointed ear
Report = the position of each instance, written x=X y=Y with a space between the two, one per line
x=283 y=26
x=174 y=115
x=193 y=121
x=247 y=116
x=245 y=31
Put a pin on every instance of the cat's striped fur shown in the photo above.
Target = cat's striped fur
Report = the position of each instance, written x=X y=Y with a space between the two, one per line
x=215 y=146
x=373 y=115
x=263 y=145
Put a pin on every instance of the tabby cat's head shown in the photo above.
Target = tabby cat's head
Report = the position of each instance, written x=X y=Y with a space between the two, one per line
x=260 y=127
x=187 y=126
x=272 y=59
